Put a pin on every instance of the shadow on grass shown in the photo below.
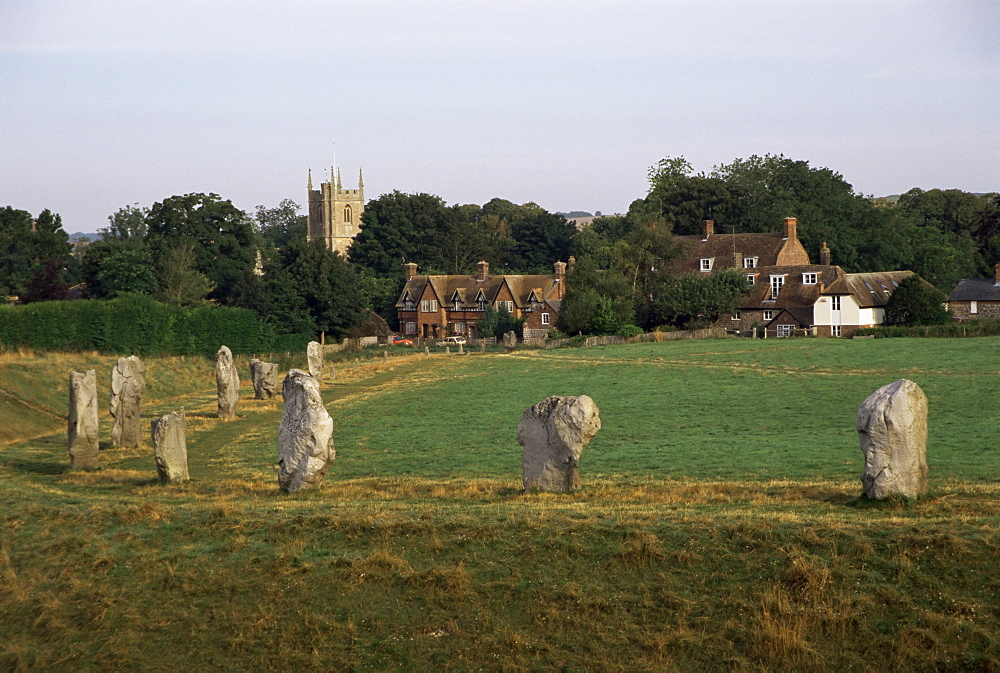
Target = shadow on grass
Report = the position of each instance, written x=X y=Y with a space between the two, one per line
x=47 y=467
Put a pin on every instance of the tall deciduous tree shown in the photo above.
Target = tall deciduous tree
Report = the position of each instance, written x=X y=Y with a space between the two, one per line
x=328 y=285
x=915 y=302
x=181 y=283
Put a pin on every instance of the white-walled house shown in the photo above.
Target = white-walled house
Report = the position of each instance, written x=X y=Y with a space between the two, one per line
x=855 y=300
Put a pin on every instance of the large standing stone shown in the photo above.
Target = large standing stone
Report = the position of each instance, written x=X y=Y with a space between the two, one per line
x=892 y=427
x=264 y=376
x=82 y=420
x=127 y=388
x=553 y=434
x=305 y=437
x=227 y=383
x=510 y=340
x=314 y=359
x=170 y=447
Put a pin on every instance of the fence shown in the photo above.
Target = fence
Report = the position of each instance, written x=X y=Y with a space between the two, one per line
x=614 y=339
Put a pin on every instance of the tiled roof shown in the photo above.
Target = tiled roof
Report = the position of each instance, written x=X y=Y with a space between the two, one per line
x=976 y=289
x=469 y=287
x=794 y=292
x=729 y=250
x=868 y=289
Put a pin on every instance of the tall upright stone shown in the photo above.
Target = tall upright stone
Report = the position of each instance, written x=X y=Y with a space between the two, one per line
x=227 y=383
x=128 y=384
x=510 y=340
x=314 y=359
x=892 y=429
x=82 y=420
x=170 y=447
x=554 y=433
x=305 y=437
x=264 y=376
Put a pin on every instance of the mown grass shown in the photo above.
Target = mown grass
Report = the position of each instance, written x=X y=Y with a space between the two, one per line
x=719 y=526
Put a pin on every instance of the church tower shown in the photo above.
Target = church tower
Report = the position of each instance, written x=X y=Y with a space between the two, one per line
x=335 y=212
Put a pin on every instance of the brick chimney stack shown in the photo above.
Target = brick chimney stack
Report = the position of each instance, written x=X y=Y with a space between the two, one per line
x=411 y=270
x=484 y=270
x=824 y=255
x=996 y=274
x=790 y=228
x=571 y=263
x=560 y=269
x=709 y=229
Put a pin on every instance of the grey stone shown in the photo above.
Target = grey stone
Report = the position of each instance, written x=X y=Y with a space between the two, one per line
x=461 y=351
x=892 y=429
x=553 y=434
x=82 y=422
x=385 y=357
x=170 y=447
x=227 y=383
x=510 y=340
x=314 y=359
x=427 y=351
x=305 y=437
x=447 y=350
x=264 y=376
x=127 y=388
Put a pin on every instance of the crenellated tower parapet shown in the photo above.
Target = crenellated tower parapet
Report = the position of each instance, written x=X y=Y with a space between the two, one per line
x=334 y=212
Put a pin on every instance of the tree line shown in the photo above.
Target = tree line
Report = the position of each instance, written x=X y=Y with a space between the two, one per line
x=198 y=248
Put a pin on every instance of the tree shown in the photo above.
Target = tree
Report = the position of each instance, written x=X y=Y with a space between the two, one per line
x=223 y=238
x=112 y=268
x=127 y=224
x=181 y=284
x=393 y=230
x=280 y=225
x=328 y=285
x=486 y=326
x=693 y=298
x=33 y=251
x=541 y=238
x=916 y=302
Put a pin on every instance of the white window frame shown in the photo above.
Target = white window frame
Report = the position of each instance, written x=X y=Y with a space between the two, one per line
x=750 y=262
x=508 y=304
x=769 y=314
x=810 y=278
x=777 y=282
x=974 y=306
x=752 y=277
x=410 y=328
x=545 y=318
x=785 y=331
x=835 y=330
x=835 y=302
x=706 y=263
x=428 y=305
x=735 y=316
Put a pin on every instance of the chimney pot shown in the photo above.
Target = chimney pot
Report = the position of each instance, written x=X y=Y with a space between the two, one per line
x=559 y=268
x=411 y=270
x=484 y=270
x=824 y=255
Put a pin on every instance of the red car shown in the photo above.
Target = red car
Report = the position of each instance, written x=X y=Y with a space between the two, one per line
x=400 y=341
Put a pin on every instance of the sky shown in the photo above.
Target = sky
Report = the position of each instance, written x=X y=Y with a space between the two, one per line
x=109 y=103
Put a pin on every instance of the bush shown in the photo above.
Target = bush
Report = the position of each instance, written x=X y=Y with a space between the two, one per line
x=953 y=329
x=629 y=331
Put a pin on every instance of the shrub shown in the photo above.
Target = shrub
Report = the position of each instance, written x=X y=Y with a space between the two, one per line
x=629 y=331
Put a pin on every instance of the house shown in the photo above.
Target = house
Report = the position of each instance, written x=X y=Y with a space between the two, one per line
x=855 y=300
x=433 y=307
x=711 y=251
x=781 y=300
x=976 y=297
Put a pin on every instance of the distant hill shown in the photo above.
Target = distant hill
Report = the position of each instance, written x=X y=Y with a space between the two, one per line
x=573 y=214
x=76 y=236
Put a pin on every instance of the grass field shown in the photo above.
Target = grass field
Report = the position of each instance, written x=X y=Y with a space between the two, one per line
x=719 y=526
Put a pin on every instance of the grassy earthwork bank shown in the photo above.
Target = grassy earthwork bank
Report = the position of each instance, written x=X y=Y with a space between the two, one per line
x=719 y=525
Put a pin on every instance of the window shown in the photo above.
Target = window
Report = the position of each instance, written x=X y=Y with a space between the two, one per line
x=509 y=305
x=428 y=305
x=750 y=262
x=835 y=330
x=408 y=303
x=785 y=331
x=735 y=316
x=347 y=215
x=457 y=305
x=768 y=315
x=410 y=328
x=706 y=263
x=776 y=283
x=973 y=306
x=809 y=279
x=458 y=327
x=545 y=318
x=835 y=303
x=752 y=278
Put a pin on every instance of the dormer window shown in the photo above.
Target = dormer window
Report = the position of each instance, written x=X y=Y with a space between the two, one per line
x=481 y=301
x=809 y=279
x=408 y=303
x=750 y=262
x=706 y=263
x=776 y=284
x=752 y=278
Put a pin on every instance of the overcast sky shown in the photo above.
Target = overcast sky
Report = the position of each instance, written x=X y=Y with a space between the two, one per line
x=108 y=103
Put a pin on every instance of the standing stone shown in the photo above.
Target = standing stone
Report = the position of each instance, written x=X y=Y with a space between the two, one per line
x=385 y=357
x=510 y=340
x=82 y=420
x=170 y=447
x=333 y=373
x=227 y=383
x=427 y=351
x=447 y=350
x=305 y=437
x=264 y=376
x=553 y=434
x=127 y=388
x=482 y=346
x=892 y=428
x=314 y=358
x=460 y=350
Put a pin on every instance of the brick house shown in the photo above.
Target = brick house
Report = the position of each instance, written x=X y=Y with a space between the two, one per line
x=432 y=307
x=976 y=297
x=711 y=251
x=782 y=299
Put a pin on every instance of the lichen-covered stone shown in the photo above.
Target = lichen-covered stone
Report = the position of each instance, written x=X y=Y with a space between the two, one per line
x=305 y=437
x=82 y=421
x=554 y=433
x=264 y=376
x=128 y=385
x=170 y=447
x=314 y=359
x=892 y=429
x=227 y=383
x=510 y=340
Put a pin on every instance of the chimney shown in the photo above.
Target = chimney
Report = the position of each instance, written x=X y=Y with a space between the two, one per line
x=571 y=264
x=411 y=270
x=709 y=229
x=996 y=273
x=824 y=255
x=560 y=269
x=484 y=270
x=790 y=225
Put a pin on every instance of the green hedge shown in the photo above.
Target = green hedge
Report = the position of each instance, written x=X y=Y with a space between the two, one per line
x=966 y=328
x=138 y=324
